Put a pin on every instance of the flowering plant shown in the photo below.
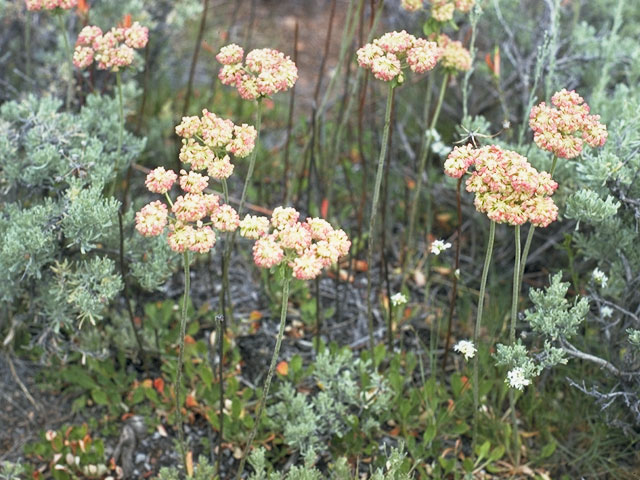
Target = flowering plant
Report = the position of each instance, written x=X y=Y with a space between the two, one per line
x=208 y=139
x=35 y=5
x=508 y=189
x=265 y=71
x=187 y=231
x=306 y=247
x=388 y=55
x=564 y=127
x=112 y=50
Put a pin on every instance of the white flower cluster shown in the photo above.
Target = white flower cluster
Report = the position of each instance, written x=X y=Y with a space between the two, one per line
x=466 y=348
x=398 y=299
x=599 y=277
x=439 y=246
x=517 y=379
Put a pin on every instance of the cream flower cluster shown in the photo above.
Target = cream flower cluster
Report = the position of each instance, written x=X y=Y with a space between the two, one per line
x=208 y=140
x=466 y=348
x=187 y=229
x=388 y=55
x=112 y=50
x=455 y=57
x=508 y=189
x=306 y=247
x=564 y=127
x=35 y=5
x=265 y=71
x=441 y=10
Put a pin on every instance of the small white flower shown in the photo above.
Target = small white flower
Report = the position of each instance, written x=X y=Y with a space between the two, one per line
x=606 y=311
x=398 y=299
x=599 y=277
x=457 y=273
x=439 y=246
x=516 y=379
x=466 y=348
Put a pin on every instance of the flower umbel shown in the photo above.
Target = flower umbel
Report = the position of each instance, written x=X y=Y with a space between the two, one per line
x=465 y=348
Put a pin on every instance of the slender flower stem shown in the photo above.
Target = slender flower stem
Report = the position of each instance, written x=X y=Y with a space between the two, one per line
x=476 y=332
x=247 y=181
x=424 y=154
x=69 y=55
x=512 y=339
x=183 y=327
x=532 y=229
x=374 y=209
x=116 y=166
x=272 y=367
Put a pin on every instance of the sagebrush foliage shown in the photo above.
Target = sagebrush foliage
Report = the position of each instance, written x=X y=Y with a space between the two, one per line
x=348 y=390
x=59 y=233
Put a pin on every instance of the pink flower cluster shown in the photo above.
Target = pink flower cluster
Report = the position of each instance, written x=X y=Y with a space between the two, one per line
x=307 y=247
x=265 y=71
x=187 y=230
x=508 y=189
x=112 y=50
x=557 y=129
x=208 y=139
x=454 y=56
x=35 y=5
x=388 y=55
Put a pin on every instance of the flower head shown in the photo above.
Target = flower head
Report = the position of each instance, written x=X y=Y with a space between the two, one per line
x=160 y=180
x=151 y=219
x=563 y=127
x=439 y=246
x=225 y=218
x=386 y=56
x=508 y=189
x=112 y=50
x=517 y=379
x=442 y=10
x=35 y=5
x=398 y=299
x=265 y=71
x=305 y=247
x=466 y=348
x=411 y=5
x=455 y=58
x=599 y=277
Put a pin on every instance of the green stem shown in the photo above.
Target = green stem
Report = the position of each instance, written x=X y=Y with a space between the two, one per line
x=69 y=56
x=183 y=327
x=116 y=166
x=252 y=158
x=424 y=154
x=476 y=332
x=272 y=367
x=512 y=340
x=532 y=229
x=374 y=209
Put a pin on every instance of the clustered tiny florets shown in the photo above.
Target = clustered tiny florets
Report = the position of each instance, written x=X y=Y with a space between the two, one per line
x=564 y=128
x=454 y=56
x=306 y=247
x=265 y=71
x=441 y=10
x=388 y=55
x=208 y=139
x=187 y=230
x=508 y=189
x=112 y=50
x=35 y=5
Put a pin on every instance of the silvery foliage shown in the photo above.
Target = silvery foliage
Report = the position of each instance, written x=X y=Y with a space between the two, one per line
x=202 y=470
x=59 y=235
x=394 y=469
x=349 y=391
x=554 y=320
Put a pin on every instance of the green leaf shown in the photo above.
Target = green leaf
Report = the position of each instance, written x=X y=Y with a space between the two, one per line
x=99 y=396
x=429 y=435
x=548 y=449
x=496 y=453
x=482 y=450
